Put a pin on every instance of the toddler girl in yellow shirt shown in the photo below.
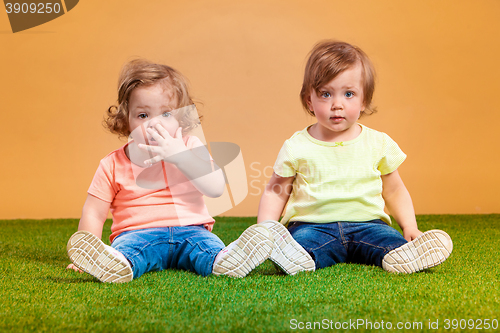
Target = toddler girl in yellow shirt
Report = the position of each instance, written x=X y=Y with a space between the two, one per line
x=336 y=176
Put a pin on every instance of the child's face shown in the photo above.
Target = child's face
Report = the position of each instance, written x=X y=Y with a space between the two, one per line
x=339 y=103
x=148 y=106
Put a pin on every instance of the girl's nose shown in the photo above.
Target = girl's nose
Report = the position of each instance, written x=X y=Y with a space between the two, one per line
x=152 y=123
x=337 y=104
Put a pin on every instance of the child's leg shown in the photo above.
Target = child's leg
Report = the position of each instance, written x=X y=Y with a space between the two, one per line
x=150 y=249
x=376 y=243
x=200 y=251
x=194 y=249
x=251 y=249
x=90 y=254
x=368 y=242
x=322 y=241
x=289 y=255
x=191 y=248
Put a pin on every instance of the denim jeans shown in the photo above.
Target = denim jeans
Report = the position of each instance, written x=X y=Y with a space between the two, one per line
x=353 y=242
x=192 y=248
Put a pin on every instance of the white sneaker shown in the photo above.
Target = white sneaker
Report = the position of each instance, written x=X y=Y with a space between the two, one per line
x=289 y=255
x=428 y=250
x=250 y=250
x=91 y=255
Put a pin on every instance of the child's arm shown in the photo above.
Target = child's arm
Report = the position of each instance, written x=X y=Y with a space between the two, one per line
x=203 y=173
x=398 y=201
x=274 y=198
x=94 y=214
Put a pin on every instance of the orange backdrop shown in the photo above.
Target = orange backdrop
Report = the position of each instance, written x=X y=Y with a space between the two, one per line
x=438 y=75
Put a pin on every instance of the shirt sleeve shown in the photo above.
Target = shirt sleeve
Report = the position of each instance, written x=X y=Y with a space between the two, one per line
x=103 y=185
x=192 y=141
x=285 y=165
x=392 y=156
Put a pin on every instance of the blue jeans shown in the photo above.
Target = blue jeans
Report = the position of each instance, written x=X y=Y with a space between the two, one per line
x=338 y=242
x=192 y=248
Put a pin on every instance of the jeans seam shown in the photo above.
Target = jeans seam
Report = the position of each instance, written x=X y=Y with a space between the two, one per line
x=344 y=241
x=152 y=243
x=372 y=245
x=319 y=247
x=136 y=254
x=193 y=244
x=201 y=244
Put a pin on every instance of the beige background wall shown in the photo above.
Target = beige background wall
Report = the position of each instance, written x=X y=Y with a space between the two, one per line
x=437 y=93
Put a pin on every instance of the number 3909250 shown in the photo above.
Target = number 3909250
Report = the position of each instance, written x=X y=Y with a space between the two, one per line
x=33 y=8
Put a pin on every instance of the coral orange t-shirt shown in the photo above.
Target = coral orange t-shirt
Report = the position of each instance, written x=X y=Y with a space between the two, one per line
x=141 y=198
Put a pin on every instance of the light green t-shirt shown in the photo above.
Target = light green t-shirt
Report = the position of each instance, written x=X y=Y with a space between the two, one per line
x=337 y=181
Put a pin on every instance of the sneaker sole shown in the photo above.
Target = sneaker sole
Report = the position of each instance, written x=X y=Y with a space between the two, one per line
x=88 y=253
x=252 y=248
x=289 y=255
x=428 y=250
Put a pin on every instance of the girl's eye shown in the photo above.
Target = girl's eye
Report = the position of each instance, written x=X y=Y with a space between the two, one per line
x=325 y=94
x=142 y=116
x=349 y=94
x=166 y=114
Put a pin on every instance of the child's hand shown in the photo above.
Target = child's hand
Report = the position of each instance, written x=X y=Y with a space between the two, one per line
x=169 y=148
x=411 y=233
x=73 y=267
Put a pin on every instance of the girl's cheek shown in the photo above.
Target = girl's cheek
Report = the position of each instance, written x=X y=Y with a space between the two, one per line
x=139 y=134
x=171 y=125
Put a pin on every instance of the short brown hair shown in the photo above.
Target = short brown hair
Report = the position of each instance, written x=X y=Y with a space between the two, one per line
x=328 y=59
x=141 y=72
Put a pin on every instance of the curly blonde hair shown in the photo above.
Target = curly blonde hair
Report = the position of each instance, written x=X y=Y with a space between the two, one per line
x=330 y=58
x=141 y=72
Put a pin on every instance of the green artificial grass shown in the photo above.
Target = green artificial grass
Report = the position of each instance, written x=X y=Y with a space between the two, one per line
x=38 y=294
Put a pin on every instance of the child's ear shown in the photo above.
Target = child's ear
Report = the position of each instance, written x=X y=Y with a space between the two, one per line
x=309 y=103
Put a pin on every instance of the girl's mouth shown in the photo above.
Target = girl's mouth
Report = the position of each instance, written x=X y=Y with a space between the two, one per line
x=337 y=119
x=152 y=142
